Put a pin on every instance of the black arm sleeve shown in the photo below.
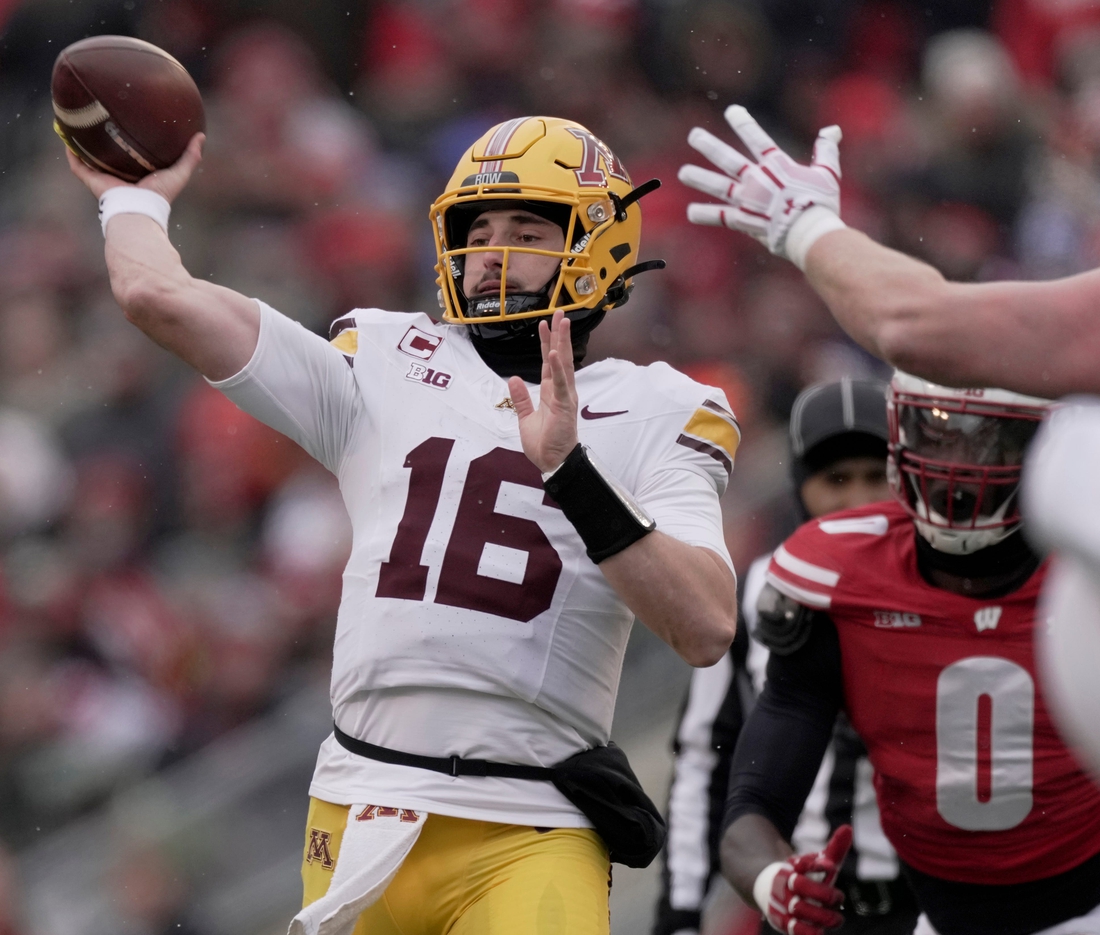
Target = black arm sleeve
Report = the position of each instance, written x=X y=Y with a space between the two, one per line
x=782 y=743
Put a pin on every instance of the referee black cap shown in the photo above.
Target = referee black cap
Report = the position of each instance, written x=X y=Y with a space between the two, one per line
x=831 y=421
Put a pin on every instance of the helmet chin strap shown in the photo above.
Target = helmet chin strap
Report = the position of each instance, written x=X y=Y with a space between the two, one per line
x=514 y=304
x=991 y=572
x=943 y=538
x=513 y=348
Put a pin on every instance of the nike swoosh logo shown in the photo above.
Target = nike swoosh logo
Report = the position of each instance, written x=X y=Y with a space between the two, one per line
x=587 y=413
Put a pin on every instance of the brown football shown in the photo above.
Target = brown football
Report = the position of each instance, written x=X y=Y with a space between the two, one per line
x=123 y=105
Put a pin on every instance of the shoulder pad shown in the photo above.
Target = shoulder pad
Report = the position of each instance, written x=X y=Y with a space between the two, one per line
x=783 y=625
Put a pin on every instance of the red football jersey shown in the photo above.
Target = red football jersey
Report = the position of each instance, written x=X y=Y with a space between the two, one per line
x=974 y=784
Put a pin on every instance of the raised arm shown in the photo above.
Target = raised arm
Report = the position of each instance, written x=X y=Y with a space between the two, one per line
x=212 y=328
x=654 y=572
x=1040 y=338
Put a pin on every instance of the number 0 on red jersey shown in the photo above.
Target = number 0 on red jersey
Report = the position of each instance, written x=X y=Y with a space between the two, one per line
x=974 y=783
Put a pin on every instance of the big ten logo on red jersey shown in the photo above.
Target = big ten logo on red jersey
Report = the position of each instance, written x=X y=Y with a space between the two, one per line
x=419 y=344
x=589 y=173
x=895 y=619
x=495 y=562
x=436 y=379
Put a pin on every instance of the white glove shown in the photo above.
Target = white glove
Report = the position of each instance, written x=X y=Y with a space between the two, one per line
x=784 y=205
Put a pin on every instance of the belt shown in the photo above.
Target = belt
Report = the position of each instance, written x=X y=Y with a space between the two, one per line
x=450 y=765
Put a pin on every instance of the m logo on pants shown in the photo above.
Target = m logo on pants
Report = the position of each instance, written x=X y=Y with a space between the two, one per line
x=318 y=849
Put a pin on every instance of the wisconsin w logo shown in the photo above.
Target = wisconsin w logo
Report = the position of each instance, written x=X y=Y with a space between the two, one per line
x=318 y=848
x=987 y=618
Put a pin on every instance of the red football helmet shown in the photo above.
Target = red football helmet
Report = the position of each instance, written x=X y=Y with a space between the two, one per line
x=955 y=459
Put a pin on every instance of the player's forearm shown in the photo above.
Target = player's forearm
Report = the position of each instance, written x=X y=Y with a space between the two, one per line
x=1039 y=338
x=890 y=303
x=145 y=270
x=210 y=327
x=749 y=845
x=685 y=594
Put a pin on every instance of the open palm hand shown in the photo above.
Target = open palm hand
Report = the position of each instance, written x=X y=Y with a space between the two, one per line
x=549 y=432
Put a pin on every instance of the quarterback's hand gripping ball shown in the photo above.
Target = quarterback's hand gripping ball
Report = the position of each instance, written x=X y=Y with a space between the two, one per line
x=765 y=198
x=123 y=106
x=797 y=895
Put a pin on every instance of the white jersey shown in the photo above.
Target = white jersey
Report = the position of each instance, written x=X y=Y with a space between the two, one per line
x=472 y=623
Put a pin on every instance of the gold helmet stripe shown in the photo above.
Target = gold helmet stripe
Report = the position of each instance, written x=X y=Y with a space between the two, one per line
x=498 y=145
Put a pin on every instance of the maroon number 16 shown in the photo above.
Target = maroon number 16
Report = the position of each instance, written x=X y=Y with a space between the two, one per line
x=477 y=524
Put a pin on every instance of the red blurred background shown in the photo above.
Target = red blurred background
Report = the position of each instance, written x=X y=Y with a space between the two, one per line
x=170 y=569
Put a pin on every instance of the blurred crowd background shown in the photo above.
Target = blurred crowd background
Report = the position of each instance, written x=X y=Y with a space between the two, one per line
x=169 y=568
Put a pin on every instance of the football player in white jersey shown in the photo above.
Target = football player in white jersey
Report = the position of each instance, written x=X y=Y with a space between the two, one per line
x=511 y=517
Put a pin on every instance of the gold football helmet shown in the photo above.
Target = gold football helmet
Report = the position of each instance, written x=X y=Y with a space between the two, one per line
x=558 y=169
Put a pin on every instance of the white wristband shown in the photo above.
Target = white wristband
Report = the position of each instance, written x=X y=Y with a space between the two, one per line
x=127 y=199
x=762 y=888
x=811 y=225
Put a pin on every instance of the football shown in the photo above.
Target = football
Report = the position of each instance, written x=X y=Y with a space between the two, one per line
x=124 y=106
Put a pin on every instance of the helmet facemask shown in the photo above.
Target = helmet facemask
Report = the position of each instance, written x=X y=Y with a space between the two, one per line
x=483 y=311
x=955 y=463
x=566 y=288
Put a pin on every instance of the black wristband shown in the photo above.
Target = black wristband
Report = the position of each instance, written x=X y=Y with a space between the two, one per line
x=603 y=513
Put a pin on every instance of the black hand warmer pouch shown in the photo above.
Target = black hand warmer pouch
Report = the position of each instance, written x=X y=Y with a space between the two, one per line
x=601 y=784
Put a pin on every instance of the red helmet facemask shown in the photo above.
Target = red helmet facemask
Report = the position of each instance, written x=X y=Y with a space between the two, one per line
x=956 y=457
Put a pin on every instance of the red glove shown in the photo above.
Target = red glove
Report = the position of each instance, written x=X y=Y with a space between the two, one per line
x=797 y=895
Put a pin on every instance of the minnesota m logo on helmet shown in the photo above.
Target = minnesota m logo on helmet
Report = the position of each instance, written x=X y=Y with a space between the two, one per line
x=559 y=169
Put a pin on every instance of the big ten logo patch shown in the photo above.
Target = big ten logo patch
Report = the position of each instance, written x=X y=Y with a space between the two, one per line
x=319 y=849
x=436 y=379
x=371 y=812
x=895 y=620
x=419 y=344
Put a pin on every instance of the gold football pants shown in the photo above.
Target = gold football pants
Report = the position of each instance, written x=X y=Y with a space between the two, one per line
x=466 y=877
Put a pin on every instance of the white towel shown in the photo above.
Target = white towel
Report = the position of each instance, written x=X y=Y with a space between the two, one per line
x=376 y=842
